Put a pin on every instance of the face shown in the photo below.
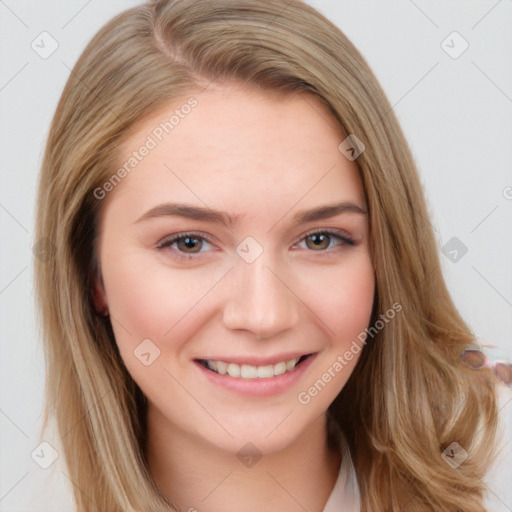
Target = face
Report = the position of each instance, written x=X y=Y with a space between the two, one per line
x=236 y=265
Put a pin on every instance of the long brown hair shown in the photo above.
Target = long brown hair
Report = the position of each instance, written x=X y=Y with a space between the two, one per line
x=408 y=398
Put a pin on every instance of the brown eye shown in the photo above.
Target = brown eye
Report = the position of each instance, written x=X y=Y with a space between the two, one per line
x=185 y=245
x=318 y=241
x=189 y=244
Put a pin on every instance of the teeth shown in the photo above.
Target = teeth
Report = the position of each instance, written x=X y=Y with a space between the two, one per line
x=290 y=365
x=279 y=368
x=222 y=367
x=247 y=371
x=234 y=370
x=264 y=372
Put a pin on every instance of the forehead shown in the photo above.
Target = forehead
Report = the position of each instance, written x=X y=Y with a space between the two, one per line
x=230 y=145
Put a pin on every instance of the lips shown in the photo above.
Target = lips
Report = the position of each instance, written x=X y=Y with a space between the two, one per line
x=253 y=371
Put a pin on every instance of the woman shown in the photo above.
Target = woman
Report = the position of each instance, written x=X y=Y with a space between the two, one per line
x=245 y=310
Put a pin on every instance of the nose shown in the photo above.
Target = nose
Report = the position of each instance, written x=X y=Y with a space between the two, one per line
x=259 y=300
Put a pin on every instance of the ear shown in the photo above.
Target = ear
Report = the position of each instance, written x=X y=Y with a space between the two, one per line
x=99 y=298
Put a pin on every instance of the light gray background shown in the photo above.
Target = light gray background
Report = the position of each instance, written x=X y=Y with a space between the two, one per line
x=456 y=114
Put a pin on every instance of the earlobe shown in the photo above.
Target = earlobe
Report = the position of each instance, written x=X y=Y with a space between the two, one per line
x=99 y=298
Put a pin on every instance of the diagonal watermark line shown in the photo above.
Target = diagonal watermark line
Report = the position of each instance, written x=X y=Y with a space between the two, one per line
x=13 y=217
x=14 y=424
x=165 y=165
x=493 y=287
x=492 y=81
x=82 y=492
x=415 y=85
x=297 y=297
x=486 y=14
x=328 y=120
x=300 y=199
x=279 y=13
x=286 y=491
x=494 y=417
x=406 y=405
x=168 y=168
x=194 y=305
x=87 y=412
x=120 y=324
x=406 y=201
x=12 y=280
x=424 y=14
x=426 y=282
x=11 y=489
x=13 y=13
x=491 y=212
x=405 y=94
x=280 y=423
x=76 y=14
x=504 y=504
x=83 y=82
x=390 y=388
x=215 y=78
x=14 y=76
x=405 y=506
x=216 y=487
x=484 y=426
x=199 y=403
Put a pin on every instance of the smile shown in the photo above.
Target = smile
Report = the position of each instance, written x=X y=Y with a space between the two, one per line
x=247 y=371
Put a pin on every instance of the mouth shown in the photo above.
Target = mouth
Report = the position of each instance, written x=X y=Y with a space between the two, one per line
x=248 y=371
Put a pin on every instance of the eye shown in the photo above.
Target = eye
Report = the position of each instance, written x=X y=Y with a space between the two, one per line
x=319 y=241
x=185 y=244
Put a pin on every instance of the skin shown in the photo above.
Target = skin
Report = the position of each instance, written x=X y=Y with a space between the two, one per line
x=262 y=157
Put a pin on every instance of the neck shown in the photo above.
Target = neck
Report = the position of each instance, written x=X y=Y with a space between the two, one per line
x=198 y=476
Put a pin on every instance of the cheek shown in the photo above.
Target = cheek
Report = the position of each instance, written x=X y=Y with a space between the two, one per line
x=344 y=300
x=134 y=297
x=149 y=301
x=344 y=305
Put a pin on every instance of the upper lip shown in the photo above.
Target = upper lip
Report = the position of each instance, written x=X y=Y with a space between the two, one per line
x=256 y=360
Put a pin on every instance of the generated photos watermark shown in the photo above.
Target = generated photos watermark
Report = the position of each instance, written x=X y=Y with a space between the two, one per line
x=305 y=397
x=156 y=136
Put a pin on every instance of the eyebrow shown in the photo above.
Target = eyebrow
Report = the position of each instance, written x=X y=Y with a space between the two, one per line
x=206 y=214
x=327 y=211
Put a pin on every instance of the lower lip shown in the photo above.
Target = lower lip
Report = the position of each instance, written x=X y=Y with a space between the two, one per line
x=257 y=387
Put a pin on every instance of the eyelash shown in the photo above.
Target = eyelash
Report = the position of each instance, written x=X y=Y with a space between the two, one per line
x=344 y=238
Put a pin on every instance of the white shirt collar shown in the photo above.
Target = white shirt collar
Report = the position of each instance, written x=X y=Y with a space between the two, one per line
x=345 y=494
